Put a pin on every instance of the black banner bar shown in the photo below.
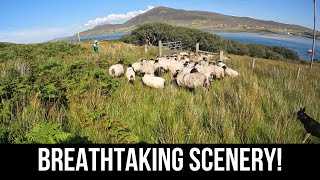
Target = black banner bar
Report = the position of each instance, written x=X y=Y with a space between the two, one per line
x=159 y=160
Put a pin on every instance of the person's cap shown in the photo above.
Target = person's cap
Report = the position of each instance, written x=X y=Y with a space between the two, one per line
x=95 y=41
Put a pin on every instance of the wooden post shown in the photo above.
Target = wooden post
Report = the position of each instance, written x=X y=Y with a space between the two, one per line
x=145 y=48
x=253 y=63
x=298 y=73
x=221 y=55
x=197 y=47
x=314 y=33
x=160 y=48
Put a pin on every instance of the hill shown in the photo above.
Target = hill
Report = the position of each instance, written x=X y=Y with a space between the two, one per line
x=195 y=19
x=203 y=19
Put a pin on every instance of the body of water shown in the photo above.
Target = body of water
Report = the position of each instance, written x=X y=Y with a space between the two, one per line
x=102 y=37
x=296 y=43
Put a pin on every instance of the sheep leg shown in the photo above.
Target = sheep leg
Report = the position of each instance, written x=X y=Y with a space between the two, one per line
x=306 y=137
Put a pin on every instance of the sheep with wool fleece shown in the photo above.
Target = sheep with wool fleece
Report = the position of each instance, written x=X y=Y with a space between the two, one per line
x=230 y=72
x=136 y=66
x=130 y=74
x=221 y=64
x=218 y=72
x=175 y=66
x=147 y=67
x=195 y=79
x=116 y=70
x=153 y=81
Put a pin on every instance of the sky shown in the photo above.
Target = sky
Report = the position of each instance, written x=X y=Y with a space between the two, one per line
x=34 y=21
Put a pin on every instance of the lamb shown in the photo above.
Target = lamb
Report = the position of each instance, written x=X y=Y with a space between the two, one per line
x=152 y=81
x=195 y=79
x=130 y=74
x=311 y=126
x=116 y=70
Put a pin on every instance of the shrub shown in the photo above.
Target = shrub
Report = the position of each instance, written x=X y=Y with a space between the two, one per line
x=153 y=32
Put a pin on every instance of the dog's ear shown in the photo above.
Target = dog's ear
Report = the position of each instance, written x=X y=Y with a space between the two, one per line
x=304 y=109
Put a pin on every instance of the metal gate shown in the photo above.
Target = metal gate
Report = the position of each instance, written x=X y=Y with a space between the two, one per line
x=169 y=48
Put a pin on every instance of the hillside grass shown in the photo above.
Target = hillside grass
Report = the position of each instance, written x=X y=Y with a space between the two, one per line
x=69 y=90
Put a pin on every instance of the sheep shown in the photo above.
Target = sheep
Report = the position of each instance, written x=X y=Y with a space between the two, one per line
x=195 y=79
x=136 y=67
x=175 y=66
x=152 y=81
x=164 y=64
x=221 y=64
x=230 y=72
x=147 y=67
x=217 y=72
x=130 y=74
x=184 y=54
x=116 y=70
x=212 y=63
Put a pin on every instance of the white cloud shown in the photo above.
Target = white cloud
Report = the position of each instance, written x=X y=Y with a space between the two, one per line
x=42 y=34
x=116 y=18
x=35 y=35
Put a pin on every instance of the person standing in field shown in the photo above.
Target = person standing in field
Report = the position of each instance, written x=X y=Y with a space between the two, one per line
x=96 y=47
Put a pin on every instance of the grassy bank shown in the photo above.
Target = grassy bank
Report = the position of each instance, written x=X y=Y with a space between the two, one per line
x=62 y=93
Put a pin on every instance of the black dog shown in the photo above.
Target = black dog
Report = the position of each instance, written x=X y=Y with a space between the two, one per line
x=310 y=125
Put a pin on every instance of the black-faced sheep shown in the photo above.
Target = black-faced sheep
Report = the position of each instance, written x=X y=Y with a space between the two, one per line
x=230 y=72
x=196 y=79
x=130 y=74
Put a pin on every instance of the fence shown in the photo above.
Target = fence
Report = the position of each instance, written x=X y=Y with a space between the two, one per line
x=207 y=52
x=174 y=47
x=169 y=47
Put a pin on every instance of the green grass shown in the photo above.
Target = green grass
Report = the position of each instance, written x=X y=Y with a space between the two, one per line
x=72 y=89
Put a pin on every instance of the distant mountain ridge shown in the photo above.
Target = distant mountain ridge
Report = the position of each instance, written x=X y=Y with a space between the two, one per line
x=195 y=19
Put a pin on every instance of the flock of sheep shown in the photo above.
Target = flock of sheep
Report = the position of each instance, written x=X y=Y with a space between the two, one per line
x=187 y=69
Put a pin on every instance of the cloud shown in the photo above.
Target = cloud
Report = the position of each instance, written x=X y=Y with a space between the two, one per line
x=116 y=18
x=36 y=35
x=42 y=34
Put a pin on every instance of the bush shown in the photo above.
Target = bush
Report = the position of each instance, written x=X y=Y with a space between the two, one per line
x=153 y=32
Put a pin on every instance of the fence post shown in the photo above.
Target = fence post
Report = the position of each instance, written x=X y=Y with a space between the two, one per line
x=145 y=48
x=160 y=48
x=221 y=55
x=298 y=73
x=253 y=63
x=197 y=47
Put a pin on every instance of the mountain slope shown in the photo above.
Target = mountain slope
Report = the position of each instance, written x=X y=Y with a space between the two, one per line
x=202 y=18
x=195 y=19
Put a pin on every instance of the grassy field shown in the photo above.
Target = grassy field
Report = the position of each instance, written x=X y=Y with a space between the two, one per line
x=62 y=93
